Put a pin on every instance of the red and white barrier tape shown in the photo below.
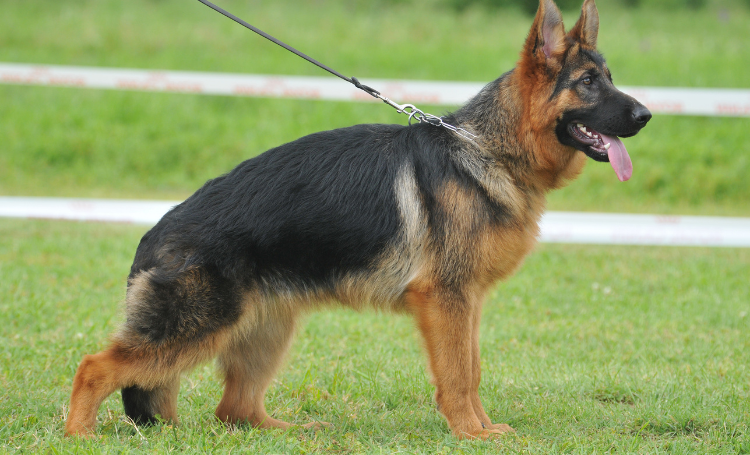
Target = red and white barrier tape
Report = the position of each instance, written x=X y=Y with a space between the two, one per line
x=681 y=101
x=557 y=227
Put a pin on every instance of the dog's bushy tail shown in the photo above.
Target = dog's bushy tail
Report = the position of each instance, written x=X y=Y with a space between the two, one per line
x=140 y=405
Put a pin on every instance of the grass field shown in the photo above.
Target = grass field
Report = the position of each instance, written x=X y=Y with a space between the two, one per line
x=588 y=349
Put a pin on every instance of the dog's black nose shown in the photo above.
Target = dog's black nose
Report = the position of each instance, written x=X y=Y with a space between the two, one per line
x=641 y=115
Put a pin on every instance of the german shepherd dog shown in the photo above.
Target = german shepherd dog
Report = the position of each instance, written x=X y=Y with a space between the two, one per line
x=415 y=219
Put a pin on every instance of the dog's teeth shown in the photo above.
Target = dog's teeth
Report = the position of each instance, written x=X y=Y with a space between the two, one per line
x=580 y=125
x=596 y=136
x=606 y=146
x=583 y=128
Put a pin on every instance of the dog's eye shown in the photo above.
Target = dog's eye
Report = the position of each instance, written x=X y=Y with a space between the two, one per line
x=587 y=80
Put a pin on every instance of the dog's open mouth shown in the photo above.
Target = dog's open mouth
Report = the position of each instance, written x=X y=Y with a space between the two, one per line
x=602 y=147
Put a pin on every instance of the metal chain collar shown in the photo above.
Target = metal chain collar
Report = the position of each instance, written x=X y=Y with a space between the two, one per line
x=423 y=117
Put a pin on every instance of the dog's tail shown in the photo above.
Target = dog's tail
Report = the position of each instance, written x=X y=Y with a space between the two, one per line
x=141 y=405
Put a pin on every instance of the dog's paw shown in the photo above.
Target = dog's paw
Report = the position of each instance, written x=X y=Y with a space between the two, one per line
x=495 y=431
x=81 y=433
x=501 y=427
x=315 y=426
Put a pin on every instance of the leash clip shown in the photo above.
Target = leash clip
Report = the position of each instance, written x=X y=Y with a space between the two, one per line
x=421 y=116
x=413 y=112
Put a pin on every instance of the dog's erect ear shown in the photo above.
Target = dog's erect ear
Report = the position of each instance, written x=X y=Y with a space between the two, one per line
x=547 y=34
x=586 y=29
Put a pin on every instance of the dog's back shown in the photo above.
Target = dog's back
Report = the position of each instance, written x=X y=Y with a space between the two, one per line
x=305 y=210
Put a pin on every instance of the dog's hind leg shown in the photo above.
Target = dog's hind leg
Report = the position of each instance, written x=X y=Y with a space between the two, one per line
x=174 y=322
x=249 y=363
x=97 y=377
x=149 y=383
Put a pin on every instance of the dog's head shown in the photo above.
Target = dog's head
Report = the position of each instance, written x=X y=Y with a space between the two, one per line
x=569 y=89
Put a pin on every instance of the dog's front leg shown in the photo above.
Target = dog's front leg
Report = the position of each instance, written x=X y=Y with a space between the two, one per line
x=446 y=321
x=476 y=375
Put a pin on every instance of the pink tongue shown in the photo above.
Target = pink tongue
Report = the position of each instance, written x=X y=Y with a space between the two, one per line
x=618 y=157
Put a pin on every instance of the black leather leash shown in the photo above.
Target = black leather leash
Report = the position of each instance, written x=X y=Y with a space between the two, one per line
x=352 y=80
x=409 y=109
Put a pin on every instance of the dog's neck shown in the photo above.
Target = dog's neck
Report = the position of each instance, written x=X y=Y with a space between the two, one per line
x=496 y=115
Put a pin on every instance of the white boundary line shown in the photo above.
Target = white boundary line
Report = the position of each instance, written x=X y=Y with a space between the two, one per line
x=679 y=101
x=557 y=227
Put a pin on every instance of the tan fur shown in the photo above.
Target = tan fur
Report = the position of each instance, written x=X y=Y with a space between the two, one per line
x=249 y=363
x=445 y=319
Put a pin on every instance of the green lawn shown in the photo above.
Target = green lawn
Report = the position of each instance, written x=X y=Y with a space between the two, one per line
x=588 y=349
